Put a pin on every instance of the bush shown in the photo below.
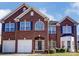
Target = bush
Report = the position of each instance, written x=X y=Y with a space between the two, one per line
x=62 y=50
x=68 y=50
x=52 y=51
x=46 y=51
x=57 y=50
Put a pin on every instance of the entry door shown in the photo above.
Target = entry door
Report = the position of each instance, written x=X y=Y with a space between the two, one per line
x=39 y=45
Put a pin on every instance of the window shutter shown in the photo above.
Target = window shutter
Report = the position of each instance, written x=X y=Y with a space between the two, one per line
x=31 y=25
x=15 y=26
x=18 y=26
x=72 y=29
x=3 y=26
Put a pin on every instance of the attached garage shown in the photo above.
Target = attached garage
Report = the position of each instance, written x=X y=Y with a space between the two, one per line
x=8 y=46
x=24 y=46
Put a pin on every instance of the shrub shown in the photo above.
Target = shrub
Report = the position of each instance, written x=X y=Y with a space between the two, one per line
x=57 y=50
x=68 y=50
x=62 y=50
x=52 y=51
x=46 y=51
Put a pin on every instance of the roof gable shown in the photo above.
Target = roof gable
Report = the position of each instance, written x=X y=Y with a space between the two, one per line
x=28 y=10
x=68 y=18
x=14 y=11
x=53 y=22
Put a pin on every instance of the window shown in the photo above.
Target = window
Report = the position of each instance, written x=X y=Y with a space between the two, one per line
x=52 y=44
x=9 y=27
x=39 y=26
x=52 y=29
x=67 y=29
x=32 y=13
x=25 y=26
x=68 y=44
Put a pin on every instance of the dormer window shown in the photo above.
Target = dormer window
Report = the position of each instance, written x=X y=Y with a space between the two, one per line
x=24 y=9
x=66 y=29
x=32 y=13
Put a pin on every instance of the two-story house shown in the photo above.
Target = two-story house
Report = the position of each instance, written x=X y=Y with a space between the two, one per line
x=63 y=34
x=27 y=30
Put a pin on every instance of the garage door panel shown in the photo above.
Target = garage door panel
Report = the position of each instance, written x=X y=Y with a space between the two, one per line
x=24 y=46
x=8 y=46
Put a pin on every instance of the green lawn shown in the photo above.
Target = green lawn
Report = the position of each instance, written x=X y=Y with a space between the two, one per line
x=57 y=54
x=54 y=54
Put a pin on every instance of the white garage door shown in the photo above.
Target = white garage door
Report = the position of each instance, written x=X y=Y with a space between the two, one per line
x=24 y=46
x=8 y=46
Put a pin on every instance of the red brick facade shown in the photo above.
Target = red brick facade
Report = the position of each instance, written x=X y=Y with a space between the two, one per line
x=17 y=35
x=59 y=34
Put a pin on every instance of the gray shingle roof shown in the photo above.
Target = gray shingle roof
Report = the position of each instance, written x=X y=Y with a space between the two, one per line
x=53 y=22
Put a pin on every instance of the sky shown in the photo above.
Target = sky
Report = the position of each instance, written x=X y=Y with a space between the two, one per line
x=53 y=10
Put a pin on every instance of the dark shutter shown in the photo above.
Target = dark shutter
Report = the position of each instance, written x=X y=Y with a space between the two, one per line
x=18 y=25
x=31 y=25
x=3 y=27
x=15 y=26
x=72 y=29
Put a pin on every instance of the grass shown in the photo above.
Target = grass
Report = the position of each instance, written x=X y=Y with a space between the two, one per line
x=54 y=54
x=57 y=54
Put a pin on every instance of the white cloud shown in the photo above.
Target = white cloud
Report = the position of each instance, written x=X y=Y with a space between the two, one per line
x=74 y=9
x=75 y=5
x=44 y=11
x=4 y=12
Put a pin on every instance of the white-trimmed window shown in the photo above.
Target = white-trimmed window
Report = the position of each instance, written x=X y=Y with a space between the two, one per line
x=66 y=29
x=39 y=26
x=25 y=26
x=52 y=44
x=52 y=29
x=9 y=27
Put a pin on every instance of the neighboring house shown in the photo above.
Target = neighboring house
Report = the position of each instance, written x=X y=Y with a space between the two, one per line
x=27 y=30
x=63 y=34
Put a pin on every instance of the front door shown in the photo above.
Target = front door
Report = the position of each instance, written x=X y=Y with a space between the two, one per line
x=39 y=44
